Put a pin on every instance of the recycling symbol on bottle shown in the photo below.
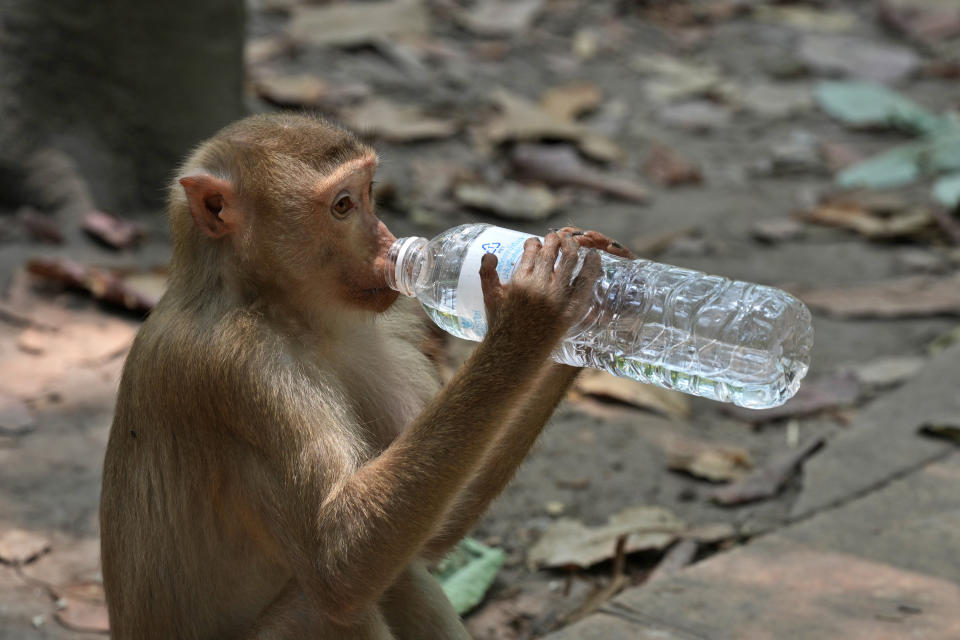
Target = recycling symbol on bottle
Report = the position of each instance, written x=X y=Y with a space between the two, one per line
x=490 y=247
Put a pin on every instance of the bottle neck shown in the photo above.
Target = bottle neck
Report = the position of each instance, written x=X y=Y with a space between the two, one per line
x=404 y=260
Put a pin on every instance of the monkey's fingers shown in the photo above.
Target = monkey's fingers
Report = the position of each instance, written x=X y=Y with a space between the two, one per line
x=491 y=286
x=547 y=257
x=588 y=276
x=568 y=258
x=597 y=240
x=530 y=249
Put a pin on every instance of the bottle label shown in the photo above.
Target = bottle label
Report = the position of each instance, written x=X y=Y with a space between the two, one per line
x=507 y=245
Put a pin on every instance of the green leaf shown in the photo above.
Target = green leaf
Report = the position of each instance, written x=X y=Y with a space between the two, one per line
x=895 y=168
x=945 y=153
x=467 y=572
x=866 y=104
x=946 y=190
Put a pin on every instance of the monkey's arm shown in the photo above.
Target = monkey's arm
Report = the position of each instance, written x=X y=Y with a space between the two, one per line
x=348 y=531
x=504 y=456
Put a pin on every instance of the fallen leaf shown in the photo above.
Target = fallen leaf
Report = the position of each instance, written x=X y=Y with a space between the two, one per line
x=467 y=572
x=675 y=79
x=667 y=167
x=674 y=560
x=398 y=123
x=354 y=24
x=946 y=190
x=830 y=392
x=262 y=49
x=713 y=533
x=84 y=607
x=776 y=100
x=653 y=245
x=114 y=232
x=777 y=230
x=708 y=461
x=806 y=18
x=699 y=116
x=307 y=90
x=105 y=285
x=767 y=480
x=15 y=417
x=570 y=101
x=887 y=372
x=839 y=156
x=568 y=542
x=33 y=341
x=520 y=120
x=871 y=105
x=926 y=21
x=915 y=296
x=853 y=217
x=857 y=57
x=39 y=225
x=509 y=200
x=18 y=546
x=560 y=165
x=643 y=396
x=500 y=17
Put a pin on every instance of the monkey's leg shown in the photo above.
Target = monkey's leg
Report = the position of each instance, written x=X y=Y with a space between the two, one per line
x=291 y=616
x=417 y=609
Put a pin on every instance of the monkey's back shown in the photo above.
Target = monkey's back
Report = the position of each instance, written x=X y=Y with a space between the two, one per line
x=180 y=550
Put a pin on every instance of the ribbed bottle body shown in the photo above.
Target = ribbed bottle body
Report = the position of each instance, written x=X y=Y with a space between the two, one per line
x=676 y=328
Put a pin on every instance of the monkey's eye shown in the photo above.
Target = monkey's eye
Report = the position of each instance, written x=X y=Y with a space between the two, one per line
x=342 y=206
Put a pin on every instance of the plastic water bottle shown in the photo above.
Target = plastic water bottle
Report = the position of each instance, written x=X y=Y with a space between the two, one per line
x=677 y=328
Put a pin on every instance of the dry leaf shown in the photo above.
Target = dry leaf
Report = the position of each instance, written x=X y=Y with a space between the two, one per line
x=85 y=607
x=644 y=396
x=39 y=225
x=112 y=231
x=20 y=547
x=675 y=79
x=831 y=392
x=713 y=533
x=653 y=245
x=354 y=24
x=32 y=340
x=569 y=542
x=777 y=230
x=571 y=100
x=509 y=200
x=500 y=17
x=398 y=123
x=713 y=462
x=927 y=21
x=853 y=216
x=307 y=90
x=262 y=49
x=698 y=116
x=776 y=100
x=916 y=296
x=560 y=165
x=767 y=480
x=105 y=285
x=521 y=120
x=667 y=167
x=888 y=372
x=857 y=57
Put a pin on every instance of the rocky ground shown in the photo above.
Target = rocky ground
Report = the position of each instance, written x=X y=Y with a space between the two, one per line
x=714 y=135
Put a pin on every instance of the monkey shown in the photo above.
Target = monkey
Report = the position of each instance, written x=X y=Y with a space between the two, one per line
x=283 y=461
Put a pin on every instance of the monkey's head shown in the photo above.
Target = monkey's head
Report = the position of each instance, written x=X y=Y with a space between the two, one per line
x=281 y=208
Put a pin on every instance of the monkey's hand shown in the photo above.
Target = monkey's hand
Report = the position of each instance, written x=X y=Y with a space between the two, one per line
x=540 y=284
x=597 y=240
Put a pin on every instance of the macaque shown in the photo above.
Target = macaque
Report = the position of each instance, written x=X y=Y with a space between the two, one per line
x=283 y=461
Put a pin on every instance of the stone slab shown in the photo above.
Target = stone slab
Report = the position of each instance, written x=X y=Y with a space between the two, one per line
x=775 y=589
x=881 y=567
x=882 y=442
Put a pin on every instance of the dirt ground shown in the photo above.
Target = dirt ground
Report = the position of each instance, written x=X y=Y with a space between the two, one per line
x=600 y=455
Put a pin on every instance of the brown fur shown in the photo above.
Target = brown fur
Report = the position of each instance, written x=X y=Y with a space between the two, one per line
x=282 y=457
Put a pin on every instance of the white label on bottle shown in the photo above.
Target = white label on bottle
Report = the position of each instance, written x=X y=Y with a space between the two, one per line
x=507 y=245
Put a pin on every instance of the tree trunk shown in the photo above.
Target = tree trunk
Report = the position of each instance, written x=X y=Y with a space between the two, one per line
x=121 y=88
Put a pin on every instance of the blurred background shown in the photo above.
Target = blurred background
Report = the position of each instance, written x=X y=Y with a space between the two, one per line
x=811 y=145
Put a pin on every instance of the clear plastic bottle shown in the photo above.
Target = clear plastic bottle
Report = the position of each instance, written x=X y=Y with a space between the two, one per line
x=681 y=329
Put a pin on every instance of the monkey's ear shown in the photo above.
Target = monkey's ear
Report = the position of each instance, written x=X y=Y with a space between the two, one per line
x=213 y=204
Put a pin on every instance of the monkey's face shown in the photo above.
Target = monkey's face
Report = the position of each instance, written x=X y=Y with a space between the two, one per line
x=356 y=241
